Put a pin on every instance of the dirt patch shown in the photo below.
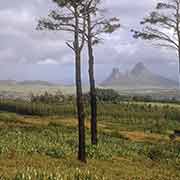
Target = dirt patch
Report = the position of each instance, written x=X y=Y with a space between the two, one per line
x=141 y=136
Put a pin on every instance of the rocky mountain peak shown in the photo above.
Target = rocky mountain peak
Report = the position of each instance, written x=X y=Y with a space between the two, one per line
x=138 y=69
x=115 y=72
x=139 y=77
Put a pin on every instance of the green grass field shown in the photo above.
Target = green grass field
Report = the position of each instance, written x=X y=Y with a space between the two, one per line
x=134 y=144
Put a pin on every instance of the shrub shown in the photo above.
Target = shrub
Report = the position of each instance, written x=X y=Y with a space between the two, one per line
x=48 y=98
x=55 y=153
x=100 y=152
x=155 y=153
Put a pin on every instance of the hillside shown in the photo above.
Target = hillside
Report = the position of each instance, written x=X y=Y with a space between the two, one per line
x=139 y=77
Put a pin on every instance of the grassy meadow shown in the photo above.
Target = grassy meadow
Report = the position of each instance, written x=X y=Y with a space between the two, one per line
x=134 y=144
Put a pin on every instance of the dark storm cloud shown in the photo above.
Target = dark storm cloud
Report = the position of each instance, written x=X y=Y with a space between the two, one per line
x=21 y=43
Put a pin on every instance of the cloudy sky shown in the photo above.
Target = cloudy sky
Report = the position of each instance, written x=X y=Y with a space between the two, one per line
x=29 y=54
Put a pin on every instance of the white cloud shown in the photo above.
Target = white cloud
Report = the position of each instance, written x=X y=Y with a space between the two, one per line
x=47 y=61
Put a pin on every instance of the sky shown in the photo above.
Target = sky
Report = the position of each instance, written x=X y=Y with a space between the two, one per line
x=28 y=54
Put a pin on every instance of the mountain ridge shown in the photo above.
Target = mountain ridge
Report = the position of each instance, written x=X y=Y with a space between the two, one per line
x=139 y=77
x=26 y=82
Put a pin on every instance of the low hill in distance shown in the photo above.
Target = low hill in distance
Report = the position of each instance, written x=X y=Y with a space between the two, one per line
x=27 y=82
x=36 y=82
x=7 y=82
x=140 y=77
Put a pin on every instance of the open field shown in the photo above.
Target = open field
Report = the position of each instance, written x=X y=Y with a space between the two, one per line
x=25 y=90
x=134 y=144
x=156 y=93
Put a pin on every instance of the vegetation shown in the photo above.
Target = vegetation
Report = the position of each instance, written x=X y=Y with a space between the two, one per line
x=48 y=98
x=147 y=117
x=39 y=109
x=136 y=140
x=38 y=139
x=109 y=95
x=133 y=143
x=31 y=173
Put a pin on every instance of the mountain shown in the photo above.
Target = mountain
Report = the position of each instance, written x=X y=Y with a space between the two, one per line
x=138 y=77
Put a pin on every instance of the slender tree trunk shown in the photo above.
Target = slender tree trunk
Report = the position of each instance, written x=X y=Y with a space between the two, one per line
x=80 y=110
x=80 y=106
x=179 y=68
x=92 y=86
x=178 y=35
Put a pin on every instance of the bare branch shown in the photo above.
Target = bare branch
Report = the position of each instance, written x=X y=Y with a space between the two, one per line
x=166 y=46
x=83 y=33
x=159 y=23
x=70 y=46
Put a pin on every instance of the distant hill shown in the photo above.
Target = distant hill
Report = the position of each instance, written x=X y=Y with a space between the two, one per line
x=138 y=77
x=7 y=82
x=27 y=82
x=36 y=82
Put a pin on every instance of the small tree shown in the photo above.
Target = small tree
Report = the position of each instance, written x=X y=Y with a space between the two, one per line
x=97 y=24
x=69 y=19
x=163 y=26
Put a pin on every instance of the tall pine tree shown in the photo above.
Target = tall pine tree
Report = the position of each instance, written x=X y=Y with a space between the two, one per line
x=96 y=24
x=69 y=19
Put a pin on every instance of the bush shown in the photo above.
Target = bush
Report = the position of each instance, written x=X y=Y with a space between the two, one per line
x=106 y=95
x=55 y=153
x=100 y=152
x=48 y=98
x=155 y=153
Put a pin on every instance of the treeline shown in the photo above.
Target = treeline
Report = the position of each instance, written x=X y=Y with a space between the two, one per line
x=102 y=95
x=107 y=95
x=48 y=104
x=110 y=95
x=114 y=111
x=49 y=98
x=137 y=112
x=65 y=106
x=148 y=98
x=37 y=108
